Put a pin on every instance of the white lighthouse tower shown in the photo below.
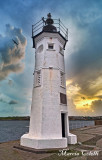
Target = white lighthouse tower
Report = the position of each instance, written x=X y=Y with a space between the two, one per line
x=49 y=127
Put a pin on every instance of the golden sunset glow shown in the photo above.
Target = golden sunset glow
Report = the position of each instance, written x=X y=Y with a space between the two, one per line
x=68 y=82
x=71 y=89
x=82 y=102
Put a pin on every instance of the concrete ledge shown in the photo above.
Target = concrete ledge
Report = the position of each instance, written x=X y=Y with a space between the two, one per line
x=72 y=138
x=28 y=141
x=38 y=151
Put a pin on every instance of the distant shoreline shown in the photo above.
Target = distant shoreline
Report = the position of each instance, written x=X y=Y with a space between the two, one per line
x=14 y=118
x=70 y=118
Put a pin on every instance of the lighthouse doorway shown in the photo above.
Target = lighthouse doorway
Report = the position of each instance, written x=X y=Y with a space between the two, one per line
x=63 y=124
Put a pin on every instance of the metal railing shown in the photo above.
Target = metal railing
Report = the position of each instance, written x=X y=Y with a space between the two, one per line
x=38 y=27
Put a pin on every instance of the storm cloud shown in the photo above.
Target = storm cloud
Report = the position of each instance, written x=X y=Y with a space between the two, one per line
x=83 y=53
x=84 y=66
x=97 y=107
x=13 y=102
x=6 y=99
x=11 y=54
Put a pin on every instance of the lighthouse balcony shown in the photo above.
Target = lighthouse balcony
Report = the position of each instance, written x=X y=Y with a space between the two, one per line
x=49 y=25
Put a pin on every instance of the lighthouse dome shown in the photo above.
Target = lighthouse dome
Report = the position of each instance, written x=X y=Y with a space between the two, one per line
x=49 y=27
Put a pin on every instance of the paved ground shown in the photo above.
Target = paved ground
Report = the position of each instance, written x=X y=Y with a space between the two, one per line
x=7 y=152
x=89 y=140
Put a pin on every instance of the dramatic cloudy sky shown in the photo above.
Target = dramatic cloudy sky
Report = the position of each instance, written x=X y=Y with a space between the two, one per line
x=83 y=54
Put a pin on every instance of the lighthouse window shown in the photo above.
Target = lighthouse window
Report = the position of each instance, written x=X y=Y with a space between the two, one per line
x=62 y=78
x=50 y=46
x=61 y=50
x=63 y=98
x=40 y=49
x=37 y=78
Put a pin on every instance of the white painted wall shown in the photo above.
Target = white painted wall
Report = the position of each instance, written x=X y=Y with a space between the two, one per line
x=46 y=112
x=45 y=120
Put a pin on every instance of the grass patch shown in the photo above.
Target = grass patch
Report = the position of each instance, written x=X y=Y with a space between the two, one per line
x=85 y=148
x=93 y=140
x=14 y=118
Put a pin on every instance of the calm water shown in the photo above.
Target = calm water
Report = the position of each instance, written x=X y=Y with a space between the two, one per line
x=79 y=124
x=13 y=130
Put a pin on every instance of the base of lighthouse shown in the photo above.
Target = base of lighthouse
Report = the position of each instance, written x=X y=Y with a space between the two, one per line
x=28 y=141
x=36 y=143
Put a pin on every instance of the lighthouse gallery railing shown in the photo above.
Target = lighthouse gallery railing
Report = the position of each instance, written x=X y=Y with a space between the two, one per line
x=36 y=28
